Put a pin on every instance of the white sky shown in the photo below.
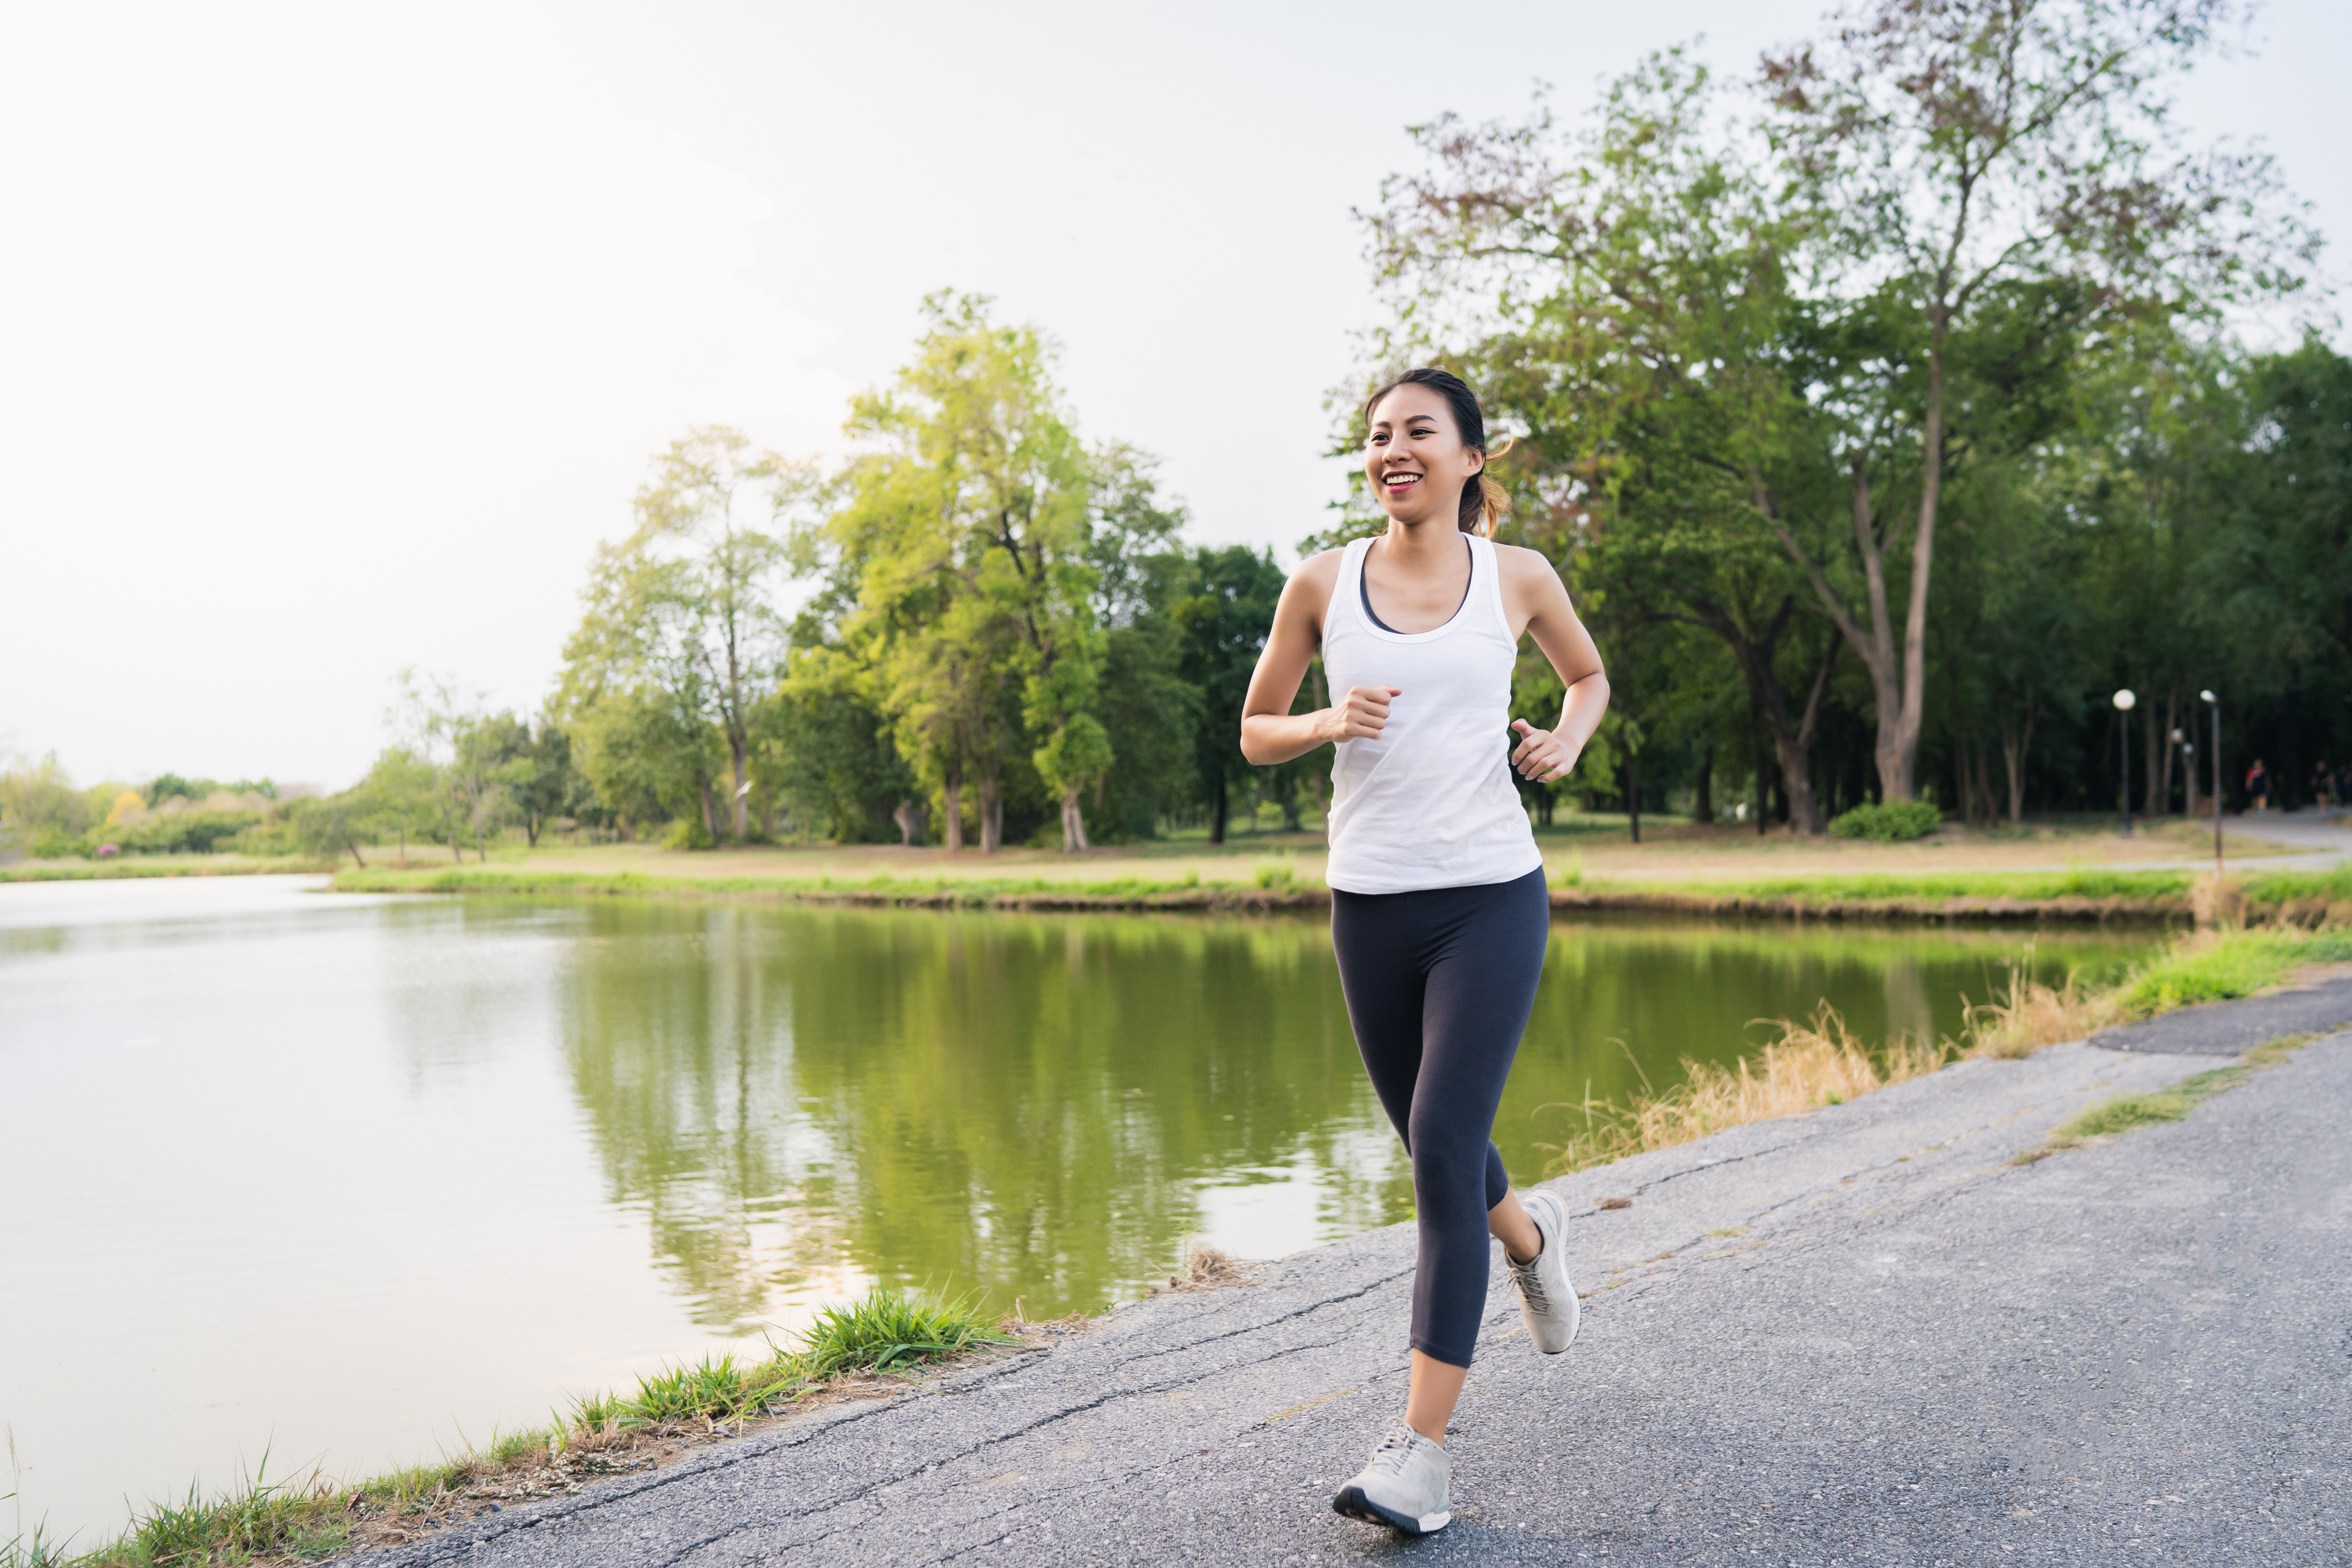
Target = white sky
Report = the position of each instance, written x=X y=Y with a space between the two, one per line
x=332 y=338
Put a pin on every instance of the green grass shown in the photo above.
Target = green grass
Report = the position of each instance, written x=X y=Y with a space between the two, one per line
x=2268 y=892
x=161 y=866
x=2129 y=1112
x=884 y=1331
x=1942 y=887
x=2083 y=892
x=2235 y=963
x=954 y=892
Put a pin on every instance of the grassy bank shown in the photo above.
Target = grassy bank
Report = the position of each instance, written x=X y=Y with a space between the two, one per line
x=883 y=1335
x=2088 y=894
x=1270 y=887
x=173 y=866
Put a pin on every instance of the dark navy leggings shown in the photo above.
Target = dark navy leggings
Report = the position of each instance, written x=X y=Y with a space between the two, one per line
x=1439 y=985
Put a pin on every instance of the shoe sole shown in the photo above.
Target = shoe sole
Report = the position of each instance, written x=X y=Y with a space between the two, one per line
x=1352 y=1502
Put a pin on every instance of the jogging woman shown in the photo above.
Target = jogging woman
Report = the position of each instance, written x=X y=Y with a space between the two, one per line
x=1438 y=907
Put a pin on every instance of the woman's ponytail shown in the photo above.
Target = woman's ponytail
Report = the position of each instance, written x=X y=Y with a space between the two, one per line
x=1485 y=503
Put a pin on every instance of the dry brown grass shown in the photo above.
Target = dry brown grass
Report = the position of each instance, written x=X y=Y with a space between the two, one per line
x=1809 y=1066
x=1205 y=1267
x=2030 y=1016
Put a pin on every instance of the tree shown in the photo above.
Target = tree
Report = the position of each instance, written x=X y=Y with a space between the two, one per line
x=1150 y=713
x=830 y=752
x=429 y=717
x=1947 y=151
x=540 y=778
x=403 y=788
x=1224 y=621
x=332 y=826
x=1622 y=296
x=684 y=608
x=965 y=532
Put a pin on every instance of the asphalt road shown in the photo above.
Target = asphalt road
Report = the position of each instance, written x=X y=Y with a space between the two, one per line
x=1861 y=1336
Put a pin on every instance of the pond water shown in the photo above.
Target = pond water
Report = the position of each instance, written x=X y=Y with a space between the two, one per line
x=356 y=1180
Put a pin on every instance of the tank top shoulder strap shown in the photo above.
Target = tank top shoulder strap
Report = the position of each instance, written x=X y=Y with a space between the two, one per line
x=1486 y=565
x=1348 y=593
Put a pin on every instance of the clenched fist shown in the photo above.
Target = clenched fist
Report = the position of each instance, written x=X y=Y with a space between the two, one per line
x=1542 y=755
x=1361 y=715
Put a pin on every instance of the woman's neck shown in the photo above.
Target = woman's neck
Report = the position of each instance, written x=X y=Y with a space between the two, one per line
x=1434 y=545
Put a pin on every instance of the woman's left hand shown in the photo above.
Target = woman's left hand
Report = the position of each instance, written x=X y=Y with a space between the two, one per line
x=1542 y=755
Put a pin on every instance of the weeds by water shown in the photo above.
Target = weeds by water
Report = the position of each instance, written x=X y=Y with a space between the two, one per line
x=1811 y=1065
x=884 y=1333
x=2027 y=1014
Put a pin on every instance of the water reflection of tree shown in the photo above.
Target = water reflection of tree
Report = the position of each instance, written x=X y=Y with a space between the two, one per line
x=1017 y=1103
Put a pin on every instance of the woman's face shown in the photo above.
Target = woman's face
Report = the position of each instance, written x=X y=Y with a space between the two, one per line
x=1415 y=459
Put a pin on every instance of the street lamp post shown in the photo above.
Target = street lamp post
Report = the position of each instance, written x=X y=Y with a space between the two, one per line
x=2124 y=702
x=2215 y=703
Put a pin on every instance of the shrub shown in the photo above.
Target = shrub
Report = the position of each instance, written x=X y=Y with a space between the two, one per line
x=1891 y=822
x=184 y=832
x=55 y=844
x=687 y=833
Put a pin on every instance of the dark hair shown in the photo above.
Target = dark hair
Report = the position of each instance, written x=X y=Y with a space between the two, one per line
x=1483 y=500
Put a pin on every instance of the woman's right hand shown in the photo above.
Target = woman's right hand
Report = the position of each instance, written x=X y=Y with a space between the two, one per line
x=1361 y=715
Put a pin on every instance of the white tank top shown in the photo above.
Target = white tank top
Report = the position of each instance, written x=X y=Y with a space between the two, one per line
x=1429 y=802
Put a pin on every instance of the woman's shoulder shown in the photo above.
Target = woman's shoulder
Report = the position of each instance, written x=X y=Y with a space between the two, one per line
x=1319 y=571
x=1518 y=561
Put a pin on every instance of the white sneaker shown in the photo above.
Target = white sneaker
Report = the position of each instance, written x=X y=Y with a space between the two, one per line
x=1402 y=1485
x=1547 y=1299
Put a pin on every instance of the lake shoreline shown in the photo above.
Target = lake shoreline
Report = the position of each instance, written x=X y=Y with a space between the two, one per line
x=1234 y=897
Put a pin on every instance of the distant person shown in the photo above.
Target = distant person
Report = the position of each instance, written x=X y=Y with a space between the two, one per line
x=1439 y=912
x=2258 y=786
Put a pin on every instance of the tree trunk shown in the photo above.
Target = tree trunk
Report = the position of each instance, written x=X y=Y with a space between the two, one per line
x=991 y=814
x=1793 y=739
x=2014 y=740
x=354 y=845
x=1074 y=823
x=1703 y=801
x=742 y=760
x=1763 y=779
x=951 y=812
x=1897 y=680
x=1217 y=812
x=910 y=819
x=1632 y=798
x=709 y=806
x=2171 y=721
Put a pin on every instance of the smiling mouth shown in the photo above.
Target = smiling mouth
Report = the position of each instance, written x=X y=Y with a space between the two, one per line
x=1400 y=481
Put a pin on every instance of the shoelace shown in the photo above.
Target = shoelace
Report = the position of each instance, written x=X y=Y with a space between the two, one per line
x=1530 y=1281
x=1392 y=1454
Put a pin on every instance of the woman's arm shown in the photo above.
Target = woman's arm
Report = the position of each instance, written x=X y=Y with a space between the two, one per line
x=1532 y=590
x=1271 y=732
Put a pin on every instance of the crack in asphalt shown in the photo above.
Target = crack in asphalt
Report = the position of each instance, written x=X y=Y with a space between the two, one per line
x=1038 y=1424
